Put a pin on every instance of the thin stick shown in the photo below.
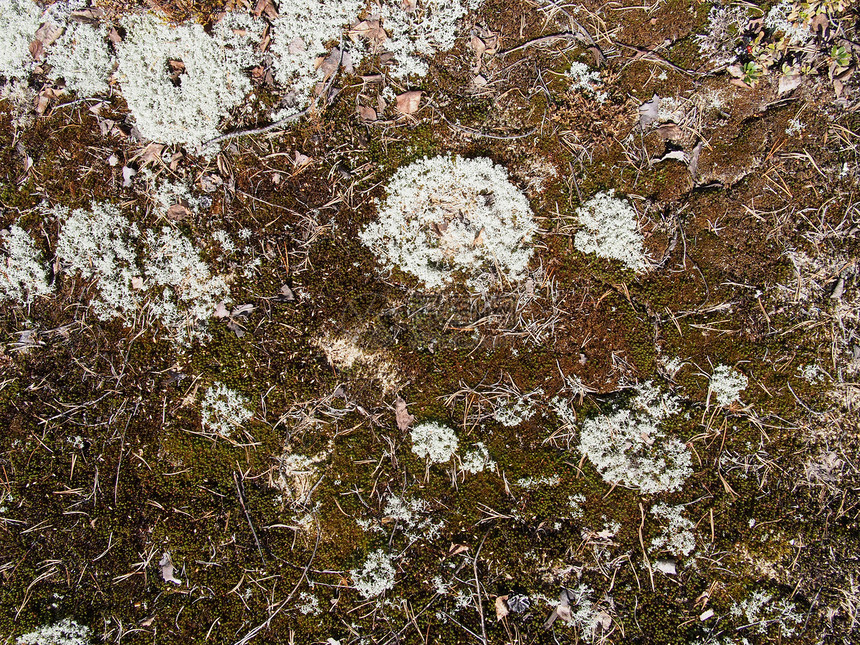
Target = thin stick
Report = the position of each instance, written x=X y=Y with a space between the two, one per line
x=251 y=634
x=478 y=588
x=548 y=39
x=248 y=517
x=248 y=133
x=642 y=544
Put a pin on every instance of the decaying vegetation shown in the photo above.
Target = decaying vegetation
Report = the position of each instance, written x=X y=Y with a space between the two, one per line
x=629 y=415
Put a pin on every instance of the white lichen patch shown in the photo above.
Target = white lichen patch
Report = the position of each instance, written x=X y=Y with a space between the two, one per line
x=21 y=101
x=376 y=576
x=99 y=244
x=515 y=411
x=180 y=82
x=417 y=30
x=22 y=274
x=223 y=411
x=586 y=80
x=677 y=537
x=542 y=481
x=610 y=230
x=65 y=632
x=297 y=475
x=726 y=385
x=628 y=446
x=761 y=613
x=448 y=215
x=434 y=441
x=19 y=20
x=785 y=21
x=171 y=193
x=82 y=59
x=478 y=460
x=725 y=27
x=309 y=604
x=575 y=502
x=187 y=291
x=302 y=31
x=412 y=517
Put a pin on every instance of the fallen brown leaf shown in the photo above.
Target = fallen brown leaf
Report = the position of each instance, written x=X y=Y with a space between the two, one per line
x=670 y=131
x=457 y=548
x=370 y=30
x=788 y=83
x=297 y=46
x=501 y=607
x=328 y=65
x=478 y=46
x=402 y=416
x=408 y=102
x=366 y=113
x=178 y=212
x=265 y=7
x=90 y=15
x=149 y=153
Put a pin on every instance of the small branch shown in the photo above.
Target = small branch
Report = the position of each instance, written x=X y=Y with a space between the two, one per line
x=646 y=54
x=240 y=493
x=477 y=133
x=251 y=634
x=642 y=544
x=248 y=133
x=478 y=588
x=542 y=40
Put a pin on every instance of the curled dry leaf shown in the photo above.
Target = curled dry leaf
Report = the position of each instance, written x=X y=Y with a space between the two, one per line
x=366 y=113
x=167 y=569
x=211 y=182
x=648 y=112
x=408 y=102
x=457 y=548
x=677 y=155
x=820 y=25
x=369 y=29
x=297 y=46
x=149 y=153
x=478 y=45
x=670 y=131
x=788 y=83
x=402 y=416
x=45 y=36
x=328 y=65
x=178 y=212
x=243 y=310
x=501 y=607
x=221 y=310
x=90 y=15
x=45 y=97
x=604 y=620
x=693 y=163
x=265 y=7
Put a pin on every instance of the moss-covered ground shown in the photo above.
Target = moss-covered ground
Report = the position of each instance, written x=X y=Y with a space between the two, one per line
x=104 y=468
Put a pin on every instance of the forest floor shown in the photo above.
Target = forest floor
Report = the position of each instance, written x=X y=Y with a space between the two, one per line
x=738 y=151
